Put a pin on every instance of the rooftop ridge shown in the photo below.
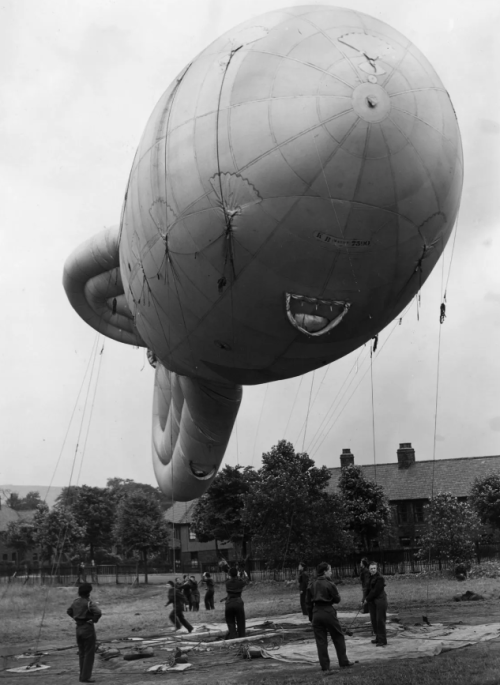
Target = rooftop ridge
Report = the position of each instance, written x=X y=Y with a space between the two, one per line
x=422 y=461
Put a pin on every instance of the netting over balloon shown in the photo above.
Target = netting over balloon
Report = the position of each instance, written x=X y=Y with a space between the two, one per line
x=312 y=151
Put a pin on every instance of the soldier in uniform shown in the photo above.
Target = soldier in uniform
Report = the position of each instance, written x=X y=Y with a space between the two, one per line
x=376 y=600
x=303 y=583
x=85 y=613
x=235 y=608
x=176 y=598
x=321 y=595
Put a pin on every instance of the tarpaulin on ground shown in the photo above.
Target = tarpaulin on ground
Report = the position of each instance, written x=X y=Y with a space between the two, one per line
x=406 y=643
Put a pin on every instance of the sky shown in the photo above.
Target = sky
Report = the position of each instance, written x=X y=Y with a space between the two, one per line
x=78 y=83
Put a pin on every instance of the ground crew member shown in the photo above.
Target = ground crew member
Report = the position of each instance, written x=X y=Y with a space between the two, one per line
x=303 y=583
x=376 y=600
x=176 y=598
x=195 y=593
x=235 y=607
x=209 y=594
x=186 y=589
x=85 y=613
x=321 y=595
x=364 y=577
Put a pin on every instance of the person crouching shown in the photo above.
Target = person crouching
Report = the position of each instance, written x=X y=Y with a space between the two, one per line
x=321 y=595
x=176 y=598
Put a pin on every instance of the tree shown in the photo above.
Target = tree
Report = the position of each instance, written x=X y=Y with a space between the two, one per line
x=290 y=511
x=28 y=503
x=452 y=529
x=19 y=536
x=56 y=531
x=218 y=514
x=366 y=504
x=485 y=499
x=94 y=510
x=140 y=525
x=124 y=486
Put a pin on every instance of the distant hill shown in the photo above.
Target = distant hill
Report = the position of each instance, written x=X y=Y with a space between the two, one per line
x=23 y=490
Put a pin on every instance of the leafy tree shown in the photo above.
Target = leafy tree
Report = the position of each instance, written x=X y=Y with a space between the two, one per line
x=140 y=525
x=19 y=536
x=94 y=510
x=218 y=514
x=28 y=503
x=366 y=504
x=124 y=486
x=485 y=499
x=56 y=531
x=452 y=529
x=290 y=511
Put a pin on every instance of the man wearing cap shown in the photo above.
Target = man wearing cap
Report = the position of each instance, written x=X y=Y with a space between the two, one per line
x=85 y=613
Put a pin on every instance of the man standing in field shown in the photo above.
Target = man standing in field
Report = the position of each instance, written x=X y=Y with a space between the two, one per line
x=303 y=583
x=321 y=595
x=85 y=613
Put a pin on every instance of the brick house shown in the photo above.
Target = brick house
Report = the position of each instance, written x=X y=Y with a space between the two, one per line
x=188 y=553
x=410 y=484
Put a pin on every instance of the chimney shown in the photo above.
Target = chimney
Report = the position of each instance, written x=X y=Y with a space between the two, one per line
x=406 y=455
x=346 y=458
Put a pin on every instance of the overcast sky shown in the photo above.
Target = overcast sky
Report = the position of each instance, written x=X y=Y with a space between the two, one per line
x=78 y=81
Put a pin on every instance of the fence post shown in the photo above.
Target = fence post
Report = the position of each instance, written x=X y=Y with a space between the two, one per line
x=116 y=574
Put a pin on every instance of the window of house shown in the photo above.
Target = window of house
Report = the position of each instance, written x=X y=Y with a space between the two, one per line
x=5 y=557
x=405 y=542
x=14 y=556
x=194 y=560
x=192 y=534
x=176 y=532
x=418 y=512
x=402 y=513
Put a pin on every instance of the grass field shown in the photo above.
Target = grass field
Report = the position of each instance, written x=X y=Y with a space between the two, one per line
x=140 y=611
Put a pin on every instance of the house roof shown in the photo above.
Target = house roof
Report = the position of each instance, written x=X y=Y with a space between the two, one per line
x=180 y=512
x=423 y=478
x=8 y=515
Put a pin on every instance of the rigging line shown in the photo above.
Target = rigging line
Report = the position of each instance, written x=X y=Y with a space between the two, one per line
x=435 y=427
x=308 y=408
x=452 y=253
x=260 y=419
x=373 y=415
x=357 y=386
x=237 y=442
x=318 y=389
x=331 y=410
x=293 y=406
x=60 y=545
x=327 y=417
x=91 y=412
x=94 y=344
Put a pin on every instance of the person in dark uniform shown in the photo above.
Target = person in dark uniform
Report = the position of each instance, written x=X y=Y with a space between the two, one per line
x=364 y=577
x=85 y=613
x=176 y=598
x=235 y=607
x=186 y=590
x=376 y=600
x=209 y=594
x=321 y=595
x=195 y=593
x=303 y=583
